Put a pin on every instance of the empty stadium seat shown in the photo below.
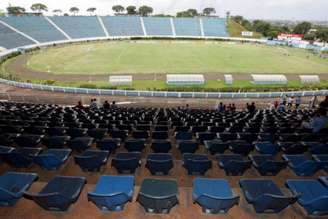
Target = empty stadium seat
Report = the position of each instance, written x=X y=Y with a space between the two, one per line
x=135 y=144
x=265 y=195
x=188 y=146
x=112 y=192
x=52 y=159
x=158 y=195
x=302 y=165
x=322 y=160
x=214 y=195
x=92 y=160
x=216 y=146
x=108 y=144
x=59 y=193
x=266 y=165
x=233 y=164
x=161 y=146
x=12 y=186
x=312 y=195
x=196 y=163
x=20 y=157
x=159 y=163
x=80 y=143
x=126 y=162
x=266 y=147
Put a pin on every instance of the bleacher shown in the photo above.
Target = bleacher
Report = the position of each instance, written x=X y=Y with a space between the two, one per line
x=263 y=148
x=158 y=26
x=79 y=26
x=10 y=39
x=214 y=27
x=123 y=25
x=36 y=27
x=187 y=26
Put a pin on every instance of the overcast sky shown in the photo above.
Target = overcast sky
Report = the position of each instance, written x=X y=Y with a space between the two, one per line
x=261 y=9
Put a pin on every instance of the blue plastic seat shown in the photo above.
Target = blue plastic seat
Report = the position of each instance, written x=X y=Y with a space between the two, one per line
x=140 y=134
x=81 y=143
x=159 y=163
x=266 y=147
x=92 y=160
x=158 y=195
x=188 y=146
x=53 y=158
x=112 y=192
x=240 y=147
x=324 y=180
x=196 y=163
x=56 y=141
x=183 y=136
x=317 y=147
x=21 y=157
x=322 y=160
x=126 y=162
x=97 y=133
x=292 y=147
x=121 y=134
x=266 y=165
x=302 y=165
x=216 y=146
x=59 y=193
x=12 y=186
x=265 y=195
x=4 y=149
x=205 y=136
x=28 y=140
x=135 y=144
x=108 y=144
x=214 y=195
x=160 y=135
x=313 y=196
x=233 y=164
x=161 y=146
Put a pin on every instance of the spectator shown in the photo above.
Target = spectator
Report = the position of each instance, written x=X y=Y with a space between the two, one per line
x=79 y=105
x=276 y=105
x=324 y=103
x=252 y=107
x=319 y=122
x=113 y=104
x=106 y=105
x=233 y=108
x=221 y=107
x=290 y=102
x=282 y=107
x=298 y=102
x=284 y=99
x=93 y=104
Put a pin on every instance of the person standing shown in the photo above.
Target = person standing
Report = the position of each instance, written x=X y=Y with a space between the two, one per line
x=298 y=102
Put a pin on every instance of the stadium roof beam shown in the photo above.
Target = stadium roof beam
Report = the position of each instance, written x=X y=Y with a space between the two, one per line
x=58 y=28
x=19 y=32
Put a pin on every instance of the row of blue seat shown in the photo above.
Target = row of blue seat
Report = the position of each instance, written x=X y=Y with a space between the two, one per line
x=233 y=164
x=160 y=195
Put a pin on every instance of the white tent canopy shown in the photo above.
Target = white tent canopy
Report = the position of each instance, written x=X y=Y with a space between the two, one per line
x=120 y=80
x=228 y=79
x=309 y=79
x=185 y=79
x=269 y=79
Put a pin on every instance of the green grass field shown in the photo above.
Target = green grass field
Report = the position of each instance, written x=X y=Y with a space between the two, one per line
x=174 y=57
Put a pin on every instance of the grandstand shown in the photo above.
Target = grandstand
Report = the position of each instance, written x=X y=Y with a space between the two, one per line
x=38 y=29
x=164 y=151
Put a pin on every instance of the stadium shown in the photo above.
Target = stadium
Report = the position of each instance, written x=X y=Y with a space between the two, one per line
x=144 y=115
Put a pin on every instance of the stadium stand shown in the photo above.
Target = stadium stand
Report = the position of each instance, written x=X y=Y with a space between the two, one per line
x=10 y=39
x=187 y=26
x=214 y=27
x=36 y=27
x=123 y=25
x=158 y=26
x=18 y=120
x=79 y=26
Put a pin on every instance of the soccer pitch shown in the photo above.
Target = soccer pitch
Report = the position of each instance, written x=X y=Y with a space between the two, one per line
x=176 y=56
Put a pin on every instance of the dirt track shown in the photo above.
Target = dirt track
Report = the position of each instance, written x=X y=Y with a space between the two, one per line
x=18 y=67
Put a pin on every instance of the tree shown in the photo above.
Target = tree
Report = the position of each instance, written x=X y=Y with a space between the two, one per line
x=322 y=34
x=2 y=13
x=131 y=10
x=39 y=7
x=15 y=10
x=145 y=10
x=74 y=10
x=118 y=8
x=189 y=13
x=262 y=27
x=209 y=11
x=309 y=36
x=302 y=28
x=238 y=19
x=91 y=10
x=57 y=12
